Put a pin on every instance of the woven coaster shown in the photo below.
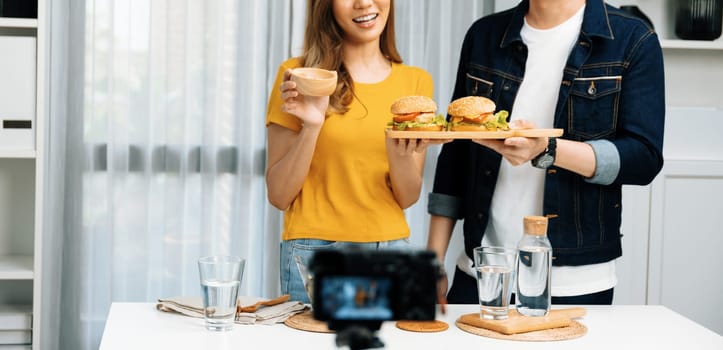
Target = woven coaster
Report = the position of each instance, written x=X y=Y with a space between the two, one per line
x=423 y=326
x=574 y=330
x=305 y=321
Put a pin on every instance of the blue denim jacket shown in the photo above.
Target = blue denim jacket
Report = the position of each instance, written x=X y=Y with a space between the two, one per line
x=611 y=96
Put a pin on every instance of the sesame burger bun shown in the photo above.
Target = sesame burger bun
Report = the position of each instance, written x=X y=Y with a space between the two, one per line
x=416 y=113
x=474 y=113
x=470 y=106
x=413 y=104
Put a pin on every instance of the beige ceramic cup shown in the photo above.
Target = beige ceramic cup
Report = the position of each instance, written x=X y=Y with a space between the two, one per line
x=314 y=81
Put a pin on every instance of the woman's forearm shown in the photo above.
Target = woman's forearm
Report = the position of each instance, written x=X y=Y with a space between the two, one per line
x=405 y=177
x=289 y=160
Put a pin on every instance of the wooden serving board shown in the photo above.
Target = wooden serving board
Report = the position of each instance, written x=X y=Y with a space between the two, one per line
x=516 y=323
x=556 y=325
x=396 y=134
x=574 y=330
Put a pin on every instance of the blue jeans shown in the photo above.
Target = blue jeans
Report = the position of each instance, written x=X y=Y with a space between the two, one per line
x=291 y=281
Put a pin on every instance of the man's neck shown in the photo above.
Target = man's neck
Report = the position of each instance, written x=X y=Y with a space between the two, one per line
x=545 y=14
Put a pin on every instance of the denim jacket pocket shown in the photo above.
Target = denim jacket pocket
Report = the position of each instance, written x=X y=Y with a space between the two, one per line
x=478 y=86
x=594 y=104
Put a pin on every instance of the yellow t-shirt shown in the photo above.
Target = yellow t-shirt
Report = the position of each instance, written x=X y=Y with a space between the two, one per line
x=346 y=195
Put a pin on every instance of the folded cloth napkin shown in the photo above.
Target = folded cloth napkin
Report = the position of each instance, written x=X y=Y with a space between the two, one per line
x=264 y=314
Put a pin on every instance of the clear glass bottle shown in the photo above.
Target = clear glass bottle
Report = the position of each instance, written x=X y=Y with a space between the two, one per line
x=533 y=268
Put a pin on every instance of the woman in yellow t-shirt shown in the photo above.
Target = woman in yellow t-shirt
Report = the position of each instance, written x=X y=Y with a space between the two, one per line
x=330 y=168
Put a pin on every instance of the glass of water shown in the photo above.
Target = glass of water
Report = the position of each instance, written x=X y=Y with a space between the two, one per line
x=220 y=281
x=495 y=268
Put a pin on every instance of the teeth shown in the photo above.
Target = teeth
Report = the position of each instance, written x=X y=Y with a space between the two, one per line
x=365 y=18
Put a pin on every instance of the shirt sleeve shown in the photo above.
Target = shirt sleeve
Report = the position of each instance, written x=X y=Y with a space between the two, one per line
x=607 y=162
x=448 y=194
x=273 y=109
x=641 y=117
x=444 y=205
x=450 y=179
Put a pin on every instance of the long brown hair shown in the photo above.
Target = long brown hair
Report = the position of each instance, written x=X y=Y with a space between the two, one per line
x=323 y=48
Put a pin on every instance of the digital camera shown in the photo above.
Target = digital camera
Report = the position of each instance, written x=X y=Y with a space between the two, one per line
x=365 y=286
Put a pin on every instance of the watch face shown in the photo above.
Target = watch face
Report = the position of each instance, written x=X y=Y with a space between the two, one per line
x=545 y=161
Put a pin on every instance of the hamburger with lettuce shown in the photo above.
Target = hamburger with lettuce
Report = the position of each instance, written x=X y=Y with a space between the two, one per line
x=476 y=113
x=416 y=113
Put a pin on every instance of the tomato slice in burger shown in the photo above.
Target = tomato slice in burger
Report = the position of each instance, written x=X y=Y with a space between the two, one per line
x=405 y=117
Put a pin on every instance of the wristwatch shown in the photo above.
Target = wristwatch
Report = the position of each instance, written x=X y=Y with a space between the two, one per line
x=545 y=159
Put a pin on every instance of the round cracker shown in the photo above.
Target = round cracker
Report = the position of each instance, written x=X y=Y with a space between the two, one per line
x=423 y=326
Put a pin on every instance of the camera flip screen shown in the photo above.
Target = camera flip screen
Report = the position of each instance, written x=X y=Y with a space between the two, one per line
x=356 y=298
x=365 y=286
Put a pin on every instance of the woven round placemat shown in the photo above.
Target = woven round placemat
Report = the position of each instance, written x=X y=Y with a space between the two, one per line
x=423 y=326
x=574 y=330
x=305 y=321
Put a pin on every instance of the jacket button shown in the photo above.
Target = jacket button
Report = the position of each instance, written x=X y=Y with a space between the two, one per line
x=479 y=216
x=488 y=173
x=592 y=90
x=506 y=87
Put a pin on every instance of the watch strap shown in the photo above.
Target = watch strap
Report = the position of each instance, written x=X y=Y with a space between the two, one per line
x=549 y=152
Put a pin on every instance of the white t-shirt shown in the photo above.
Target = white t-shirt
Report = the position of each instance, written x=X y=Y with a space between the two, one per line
x=520 y=189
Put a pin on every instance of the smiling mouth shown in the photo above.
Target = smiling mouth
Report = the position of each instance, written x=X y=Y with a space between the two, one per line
x=367 y=18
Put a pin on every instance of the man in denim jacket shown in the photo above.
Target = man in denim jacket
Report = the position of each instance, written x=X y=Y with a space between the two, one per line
x=582 y=66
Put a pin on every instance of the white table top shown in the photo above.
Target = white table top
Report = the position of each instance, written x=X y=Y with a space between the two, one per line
x=141 y=326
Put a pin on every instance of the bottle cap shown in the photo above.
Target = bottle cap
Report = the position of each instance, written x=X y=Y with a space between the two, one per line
x=535 y=225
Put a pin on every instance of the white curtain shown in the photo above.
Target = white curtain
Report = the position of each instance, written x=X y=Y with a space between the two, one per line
x=157 y=144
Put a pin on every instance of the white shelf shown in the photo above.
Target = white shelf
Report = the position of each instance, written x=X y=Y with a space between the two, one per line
x=16 y=267
x=662 y=14
x=7 y=22
x=691 y=44
x=22 y=160
x=12 y=153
